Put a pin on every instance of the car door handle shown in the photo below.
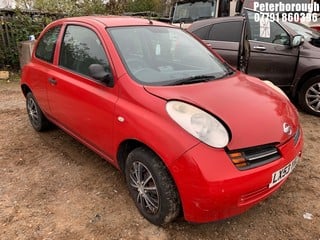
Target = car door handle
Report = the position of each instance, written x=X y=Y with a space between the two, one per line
x=260 y=48
x=52 y=81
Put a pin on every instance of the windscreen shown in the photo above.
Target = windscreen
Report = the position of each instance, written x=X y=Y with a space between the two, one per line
x=192 y=11
x=164 y=55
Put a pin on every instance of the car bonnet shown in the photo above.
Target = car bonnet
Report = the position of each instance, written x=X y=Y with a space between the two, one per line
x=254 y=112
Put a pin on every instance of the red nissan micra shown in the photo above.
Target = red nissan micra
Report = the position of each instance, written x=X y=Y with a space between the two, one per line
x=191 y=135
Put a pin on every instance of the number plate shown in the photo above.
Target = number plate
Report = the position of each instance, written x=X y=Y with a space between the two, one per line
x=281 y=174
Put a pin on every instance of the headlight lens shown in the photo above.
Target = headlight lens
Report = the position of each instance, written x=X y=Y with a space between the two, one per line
x=198 y=123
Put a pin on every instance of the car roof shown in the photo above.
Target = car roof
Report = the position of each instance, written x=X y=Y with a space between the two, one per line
x=203 y=23
x=113 y=21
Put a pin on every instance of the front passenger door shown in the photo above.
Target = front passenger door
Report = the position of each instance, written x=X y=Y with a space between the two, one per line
x=80 y=104
x=271 y=56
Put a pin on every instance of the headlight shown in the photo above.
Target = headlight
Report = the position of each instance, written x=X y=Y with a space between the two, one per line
x=198 y=123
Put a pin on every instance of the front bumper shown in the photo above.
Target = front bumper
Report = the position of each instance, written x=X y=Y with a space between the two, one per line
x=212 y=188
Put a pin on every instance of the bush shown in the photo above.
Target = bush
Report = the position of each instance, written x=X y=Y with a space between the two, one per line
x=18 y=27
x=21 y=25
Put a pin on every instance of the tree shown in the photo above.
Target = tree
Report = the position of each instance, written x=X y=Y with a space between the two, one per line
x=144 y=5
x=24 y=4
x=72 y=7
x=56 y=6
x=115 y=7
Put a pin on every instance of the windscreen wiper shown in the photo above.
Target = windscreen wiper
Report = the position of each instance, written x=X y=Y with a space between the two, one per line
x=229 y=70
x=193 y=79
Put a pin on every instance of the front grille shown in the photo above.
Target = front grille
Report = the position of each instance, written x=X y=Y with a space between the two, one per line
x=253 y=157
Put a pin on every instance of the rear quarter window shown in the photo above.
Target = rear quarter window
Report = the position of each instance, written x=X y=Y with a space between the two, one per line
x=227 y=31
x=47 y=44
x=203 y=32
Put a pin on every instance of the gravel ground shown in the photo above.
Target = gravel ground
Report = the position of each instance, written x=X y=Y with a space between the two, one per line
x=52 y=187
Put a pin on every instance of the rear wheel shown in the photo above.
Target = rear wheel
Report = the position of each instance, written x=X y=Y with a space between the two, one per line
x=38 y=121
x=151 y=187
x=309 y=96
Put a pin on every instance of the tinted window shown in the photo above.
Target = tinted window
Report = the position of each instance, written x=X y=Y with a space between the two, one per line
x=203 y=32
x=228 y=31
x=267 y=31
x=80 y=48
x=47 y=44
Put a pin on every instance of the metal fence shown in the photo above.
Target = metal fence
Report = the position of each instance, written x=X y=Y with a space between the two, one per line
x=16 y=27
x=7 y=38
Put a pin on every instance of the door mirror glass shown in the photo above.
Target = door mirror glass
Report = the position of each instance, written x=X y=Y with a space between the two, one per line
x=297 y=40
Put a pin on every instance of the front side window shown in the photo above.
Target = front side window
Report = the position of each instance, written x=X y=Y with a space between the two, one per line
x=163 y=56
x=266 y=30
x=80 y=48
x=47 y=44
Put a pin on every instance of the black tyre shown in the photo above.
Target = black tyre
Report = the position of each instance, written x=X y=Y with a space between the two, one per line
x=38 y=121
x=151 y=187
x=309 y=96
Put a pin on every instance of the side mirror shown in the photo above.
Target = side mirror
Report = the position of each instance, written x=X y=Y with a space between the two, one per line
x=297 y=40
x=98 y=72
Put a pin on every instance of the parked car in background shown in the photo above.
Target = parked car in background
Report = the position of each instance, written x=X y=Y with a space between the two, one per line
x=287 y=54
x=184 y=12
x=190 y=134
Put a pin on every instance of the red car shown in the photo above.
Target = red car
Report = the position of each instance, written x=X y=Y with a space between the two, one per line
x=191 y=135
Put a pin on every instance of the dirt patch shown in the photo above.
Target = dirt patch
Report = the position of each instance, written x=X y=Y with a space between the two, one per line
x=52 y=187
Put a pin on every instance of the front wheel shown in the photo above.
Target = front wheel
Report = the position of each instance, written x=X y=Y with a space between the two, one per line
x=309 y=96
x=151 y=187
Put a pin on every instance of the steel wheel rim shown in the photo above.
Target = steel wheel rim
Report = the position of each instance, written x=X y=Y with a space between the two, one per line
x=33 y=112
x=313 y=97
x=144 y=185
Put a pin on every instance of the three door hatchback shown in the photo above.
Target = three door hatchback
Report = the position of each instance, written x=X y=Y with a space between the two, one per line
x=192 y=136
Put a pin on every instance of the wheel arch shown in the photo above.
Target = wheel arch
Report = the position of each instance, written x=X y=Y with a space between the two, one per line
x=303 y=79
x=25 y=89
x=128 y=146
x=124 y=149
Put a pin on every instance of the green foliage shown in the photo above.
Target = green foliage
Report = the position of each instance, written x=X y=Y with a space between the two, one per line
x=67 y=7
x=72 y=7
x=24 y=24
x=144 y=5
x=18 y=28
x=115 y=7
